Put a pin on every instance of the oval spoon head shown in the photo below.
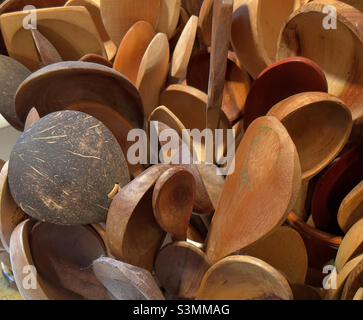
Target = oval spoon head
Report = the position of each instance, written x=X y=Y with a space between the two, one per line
x=267 y=168
x=173 y=199
x=243 y=278
x=180 y=267
x=125 y=281
x=307 y=113
x=63 y=165
x=32 y=118
x=169 y=16
x=119 y=16
x=352 y=245
x=284 y=250
x=359 y=295
x=279 y=82
x=9 y=87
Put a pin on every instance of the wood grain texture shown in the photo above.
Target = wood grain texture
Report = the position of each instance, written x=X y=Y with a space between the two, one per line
x=132 y=49
x=205 y=22
x=279 y=81
x=133 y=233
x=169 y=16
x=173 y=199
x=62 y=169
x=303 y=35
x=307 y=113
x=243 y=278
x=267 y=167
x=119 y=16
x=125 y=281
x=12 y=74
x=56 y=24
x=353 y=283
x=352 y=245
x=180 y=267
x=153 y=72
x=63 y=256
x=32 y=118
x=221 y=30
x=284 y=250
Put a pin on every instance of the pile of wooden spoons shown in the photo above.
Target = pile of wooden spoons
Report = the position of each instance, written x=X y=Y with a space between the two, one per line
x=98 y=202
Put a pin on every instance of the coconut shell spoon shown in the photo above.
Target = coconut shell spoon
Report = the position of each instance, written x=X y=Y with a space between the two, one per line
x=243 y=278
x=125 y=281
x=180 y=267
x=267 y=167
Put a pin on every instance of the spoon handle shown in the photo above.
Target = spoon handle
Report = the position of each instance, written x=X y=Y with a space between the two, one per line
x=221 y=30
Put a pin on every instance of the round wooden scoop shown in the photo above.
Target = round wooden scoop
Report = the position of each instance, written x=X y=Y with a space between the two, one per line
x=132 y=49
x=133 y=233
x=119 y=16
x=9 y=85
x=307 y=113
x=125 y=281
x=352 y=245
x=351 y=208
x=180 y=267
x=304 y=35
x=10 y=214
x=285 y=250
x=36 y=288
x=332 y=187
x=173 y=199
x=280 y=81
x=64 y=255
x=259 y=195
x=243 y=278
x=62 y=169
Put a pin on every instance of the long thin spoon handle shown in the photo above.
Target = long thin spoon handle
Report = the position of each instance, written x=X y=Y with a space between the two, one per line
x=221 y=31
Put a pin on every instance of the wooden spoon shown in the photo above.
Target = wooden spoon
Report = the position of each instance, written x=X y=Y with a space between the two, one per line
x=9 y=85
x=352 y=245
x=267 y=175
x=332 y=187
x=173 y=199
x=10 y=214
x=32 y=118
x=61 y=170
x=183 y=49
x=256 y=28
x=46 y=51
x=96 y=58
x=351 y=208
x=303 y=116
x=243 y=278
x=180 y=267
x=236 y=86
x=131 y=211
x=64 y=255
x=303 y=35
x=119 y=16
x=279 y=81
x=359 y=295
x=152 y=72
x=205 y=22
x=132 y=49
x=169 y=16
x=125 y=281
x=353 y=282
x=21 y=260
x=93 y=7
x=285 y=250
x=221 y=30
x=56 y=25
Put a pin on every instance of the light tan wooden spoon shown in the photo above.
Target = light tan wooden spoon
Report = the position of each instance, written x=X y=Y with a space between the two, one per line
x=351 y=208
x=180 y=267
x=205 y=22
x=359 y=295
x=352 y=245
x=169 y=16
x=125 y=281
x=285 y=250
x=152 y=72
x=353 y=282
x=183 y=49
x=118 y=16
x=132 y=49
x=243 y=278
